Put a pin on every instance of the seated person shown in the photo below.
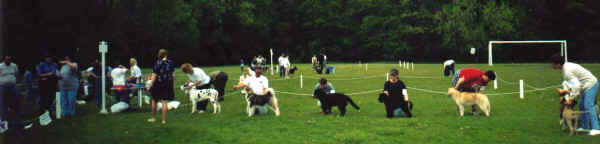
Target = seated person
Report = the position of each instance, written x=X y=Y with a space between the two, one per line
x=258 y=85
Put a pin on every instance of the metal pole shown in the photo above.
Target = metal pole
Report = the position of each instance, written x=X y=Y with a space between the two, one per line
x=565 y=42
x=490 y=53
x=2 y=28
x=103 y=50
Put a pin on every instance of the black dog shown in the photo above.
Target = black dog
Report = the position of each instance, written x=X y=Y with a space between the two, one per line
x=334 y=99
x=293 y=70
x=392 y=103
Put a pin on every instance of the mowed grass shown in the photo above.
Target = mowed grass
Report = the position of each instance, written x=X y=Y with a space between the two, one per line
x=531 y=120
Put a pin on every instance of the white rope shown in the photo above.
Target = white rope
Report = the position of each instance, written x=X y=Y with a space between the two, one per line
x=513 y=83
x=358 y=78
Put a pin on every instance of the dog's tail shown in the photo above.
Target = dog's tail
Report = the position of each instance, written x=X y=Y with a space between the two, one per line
x=352 y=103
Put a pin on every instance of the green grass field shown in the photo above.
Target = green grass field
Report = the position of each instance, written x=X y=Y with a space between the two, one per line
x=531 y=120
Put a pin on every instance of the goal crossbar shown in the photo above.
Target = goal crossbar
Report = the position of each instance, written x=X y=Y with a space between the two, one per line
x=563 y=46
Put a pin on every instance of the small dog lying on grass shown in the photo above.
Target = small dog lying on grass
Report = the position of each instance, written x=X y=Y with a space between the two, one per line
x=569 y=117
x=334 y=99
x=468 y=99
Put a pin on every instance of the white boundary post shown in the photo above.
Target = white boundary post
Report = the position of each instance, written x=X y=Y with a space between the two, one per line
x=521 y=90
x=271 y=50
x=495 y=84
x=301 y=81
x=387 y=76
x=103 y=47
x=413 y=65
x=58 y=106
x=366 y=67
x=399 y=63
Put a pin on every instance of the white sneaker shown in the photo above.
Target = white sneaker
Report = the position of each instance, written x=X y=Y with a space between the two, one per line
x=594 y=132
x=3 y=126
x=582 y=130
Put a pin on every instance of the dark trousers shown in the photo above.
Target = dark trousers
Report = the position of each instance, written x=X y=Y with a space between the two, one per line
x=47 y=93
x=281 y=71
x=201 y=105
x=122 y=95
x=9 y=98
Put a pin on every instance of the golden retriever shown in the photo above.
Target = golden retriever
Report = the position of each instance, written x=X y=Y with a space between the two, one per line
x=463 y=99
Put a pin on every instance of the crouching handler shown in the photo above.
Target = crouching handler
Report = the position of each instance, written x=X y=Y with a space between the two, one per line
x=395 y=97
x=323 y=86
x=261 y=94
x=472 y=80
x=583 y=85
x=198 y=79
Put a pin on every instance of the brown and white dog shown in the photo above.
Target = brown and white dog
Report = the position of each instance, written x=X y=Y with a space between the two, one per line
x=463 y=99
x=569 y=117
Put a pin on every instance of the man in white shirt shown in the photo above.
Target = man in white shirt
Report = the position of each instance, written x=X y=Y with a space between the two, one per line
x=449 y=67
x=280 y=61
x=286 y=65
x=583 y=84
x=258 y=85
x=135 y=73
x=119 y=83
x=198 y=79
x=8 y=90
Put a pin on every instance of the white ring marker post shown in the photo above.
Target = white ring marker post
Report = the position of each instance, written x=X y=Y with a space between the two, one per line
x=387 y=77
x=521 y=91
x=413 y=65
x=367 y=67
x=301 y=84
x=399 y=62
x=103 y=48
x=272 y=61
x=495 y=84
x=58 y=106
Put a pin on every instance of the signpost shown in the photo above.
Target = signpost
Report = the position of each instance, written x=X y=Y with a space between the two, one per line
x=103 y=48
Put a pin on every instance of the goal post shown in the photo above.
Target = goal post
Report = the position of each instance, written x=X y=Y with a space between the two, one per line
x=563 y=47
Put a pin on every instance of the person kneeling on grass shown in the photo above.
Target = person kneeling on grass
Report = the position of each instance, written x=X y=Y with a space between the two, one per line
x=472 y=80
x=584 y=85
x=395 y=97
x=119 y=83
x=323 y=86
x=258 y=85
x=199 y=79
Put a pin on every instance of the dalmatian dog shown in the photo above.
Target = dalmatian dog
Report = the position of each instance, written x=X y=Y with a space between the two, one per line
x=197 y=95
x=255 y=102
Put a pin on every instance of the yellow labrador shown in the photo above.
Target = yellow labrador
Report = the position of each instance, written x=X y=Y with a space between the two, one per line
x=463 y=99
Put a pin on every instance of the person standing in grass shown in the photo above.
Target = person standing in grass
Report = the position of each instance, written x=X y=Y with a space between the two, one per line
x=161 y=84
x=395 y=91
x=8 y=88
x=135 y=73
x=69 y=84
x=47 y=71
x=199 y=80
x=584 y=85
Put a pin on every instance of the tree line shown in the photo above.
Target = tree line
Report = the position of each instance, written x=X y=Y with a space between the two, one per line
x=217 y=32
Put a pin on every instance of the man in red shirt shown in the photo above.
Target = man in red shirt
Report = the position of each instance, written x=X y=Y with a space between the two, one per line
x=472 y=79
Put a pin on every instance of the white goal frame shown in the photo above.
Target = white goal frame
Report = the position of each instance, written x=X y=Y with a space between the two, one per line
x=563 y=46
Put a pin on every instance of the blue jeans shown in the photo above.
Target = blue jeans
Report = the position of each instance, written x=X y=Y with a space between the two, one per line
x=9 y=91
x=68 y=101
x=281 y=71
x=589 y=120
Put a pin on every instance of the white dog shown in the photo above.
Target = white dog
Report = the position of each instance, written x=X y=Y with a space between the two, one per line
x=197 y=95
x=272 y=103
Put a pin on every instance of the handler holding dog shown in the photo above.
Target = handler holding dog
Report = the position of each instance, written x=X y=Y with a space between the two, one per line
x=199 y=79
x=472 y=80
x=584 y=85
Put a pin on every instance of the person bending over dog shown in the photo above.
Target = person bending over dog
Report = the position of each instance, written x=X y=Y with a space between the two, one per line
x=199 y=79
x=584 y=85
x=395 y=96
x=119 y=83
x=323 y=86
x=472 y=80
